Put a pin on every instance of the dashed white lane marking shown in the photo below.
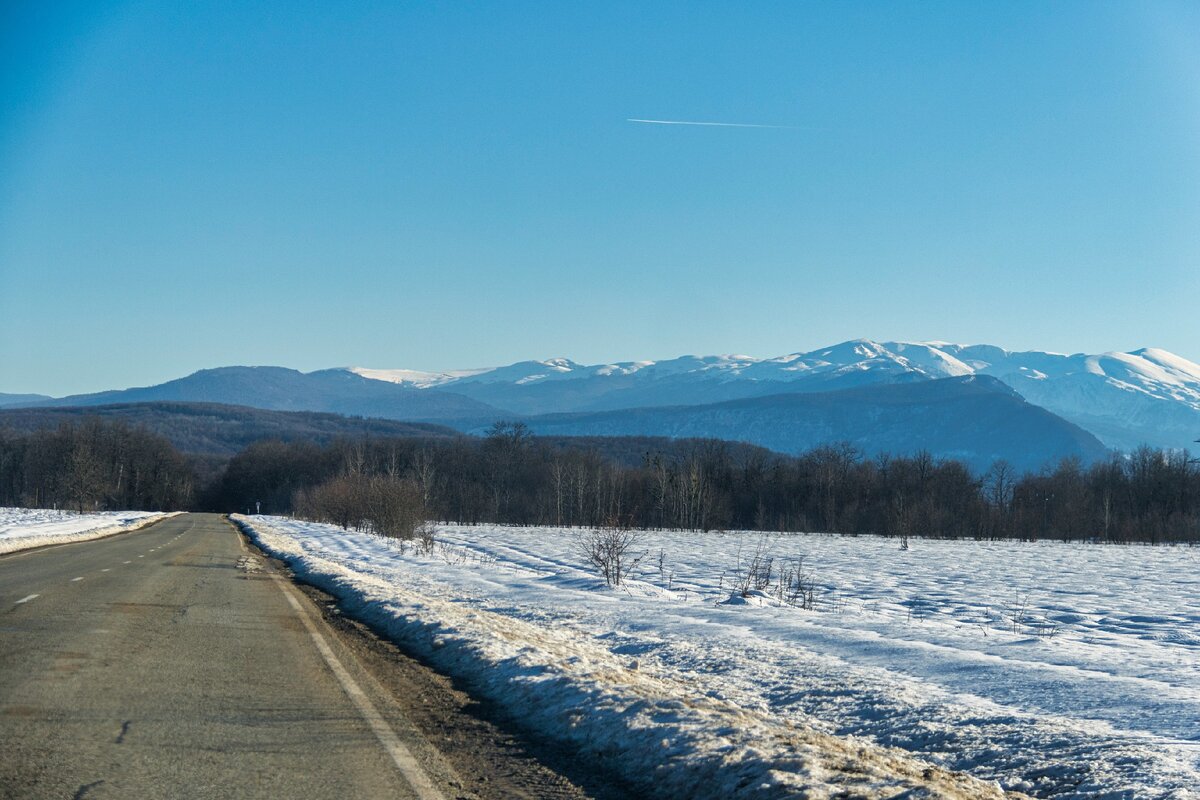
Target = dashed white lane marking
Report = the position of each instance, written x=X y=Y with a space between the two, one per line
x=27 y=599
x=141 y=556
x=417 y=778
x=126 y=562
x=77 y=579
x=104 y=570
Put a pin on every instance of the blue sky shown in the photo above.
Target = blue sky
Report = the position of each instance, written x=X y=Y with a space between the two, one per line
x=439 y=186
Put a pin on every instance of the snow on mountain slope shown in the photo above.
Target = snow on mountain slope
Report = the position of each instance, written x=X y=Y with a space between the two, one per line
x=415 y=378
x=1146 y=396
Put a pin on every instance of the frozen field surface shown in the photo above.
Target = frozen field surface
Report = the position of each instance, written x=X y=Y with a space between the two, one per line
x=1058 y=670
x=22 y=528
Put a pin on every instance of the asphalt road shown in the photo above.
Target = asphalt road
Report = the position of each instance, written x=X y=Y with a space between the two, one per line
x=174 y=662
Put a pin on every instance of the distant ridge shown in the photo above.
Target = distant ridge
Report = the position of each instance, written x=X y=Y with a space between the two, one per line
x=21 y=399
x=221 y=430
x=975 y=419
x=277 y=388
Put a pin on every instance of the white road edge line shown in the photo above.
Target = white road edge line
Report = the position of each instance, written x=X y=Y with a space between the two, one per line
x=26 y=599
x=417 y=778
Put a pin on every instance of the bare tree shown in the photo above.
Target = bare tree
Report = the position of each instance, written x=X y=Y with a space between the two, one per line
x=84 y=475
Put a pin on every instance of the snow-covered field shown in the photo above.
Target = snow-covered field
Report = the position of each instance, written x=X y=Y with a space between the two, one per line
x=1059 y=670
x=22 y=528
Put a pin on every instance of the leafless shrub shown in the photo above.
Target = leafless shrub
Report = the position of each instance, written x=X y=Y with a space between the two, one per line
x=611 y=551
x=796 y=585
x=1045 y=629
x=386 y=505
x=790 y=582
x=1018 y=611
x=338 y=501
x=393 y=507
x=425 y=541
x=756 y=573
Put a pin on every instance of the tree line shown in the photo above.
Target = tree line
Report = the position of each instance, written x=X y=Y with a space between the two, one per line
x=513 y=477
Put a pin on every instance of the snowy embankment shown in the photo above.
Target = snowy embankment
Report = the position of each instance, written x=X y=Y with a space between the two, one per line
x=1063 y=671
x=23 y=528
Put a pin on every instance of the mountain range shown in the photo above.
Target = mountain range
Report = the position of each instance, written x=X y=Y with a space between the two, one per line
x=1146 y=396
x=975 y=402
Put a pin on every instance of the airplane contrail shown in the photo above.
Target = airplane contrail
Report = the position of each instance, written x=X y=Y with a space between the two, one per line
x=706 y=124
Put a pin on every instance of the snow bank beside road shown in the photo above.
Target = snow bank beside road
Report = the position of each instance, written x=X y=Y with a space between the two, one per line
x=663 y=733
x=23 y=528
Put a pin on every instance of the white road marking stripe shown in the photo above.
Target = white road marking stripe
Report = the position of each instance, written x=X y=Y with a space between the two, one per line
x=417 y=778
x=77 y=579
x=104 y=570
x=27 y=599
x=127 y=562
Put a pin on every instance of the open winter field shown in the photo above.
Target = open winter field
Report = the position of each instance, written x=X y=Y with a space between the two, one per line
x=1061 y=671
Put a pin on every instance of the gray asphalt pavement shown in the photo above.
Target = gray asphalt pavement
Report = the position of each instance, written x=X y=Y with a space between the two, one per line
x=171 y=663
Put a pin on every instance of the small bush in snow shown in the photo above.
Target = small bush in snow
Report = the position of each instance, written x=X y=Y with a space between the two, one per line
x=789 y=582
x=756 y=573
x=796 y=585
x=611 y=552
x=423 y=534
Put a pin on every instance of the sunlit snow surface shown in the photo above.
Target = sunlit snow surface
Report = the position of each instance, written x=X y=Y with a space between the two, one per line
x=1061 y=670
x=22 y=528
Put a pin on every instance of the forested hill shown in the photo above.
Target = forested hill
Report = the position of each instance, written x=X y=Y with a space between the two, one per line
x=213 y=429
x=975 y=419
x=222 y=430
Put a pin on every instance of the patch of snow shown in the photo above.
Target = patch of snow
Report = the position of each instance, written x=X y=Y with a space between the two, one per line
x=416 y=378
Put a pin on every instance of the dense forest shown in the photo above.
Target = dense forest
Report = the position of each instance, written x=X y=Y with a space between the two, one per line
x=512 y=477
x=94 y=464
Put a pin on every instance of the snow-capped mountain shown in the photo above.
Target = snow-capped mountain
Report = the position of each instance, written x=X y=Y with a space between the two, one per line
x=1125 y=399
